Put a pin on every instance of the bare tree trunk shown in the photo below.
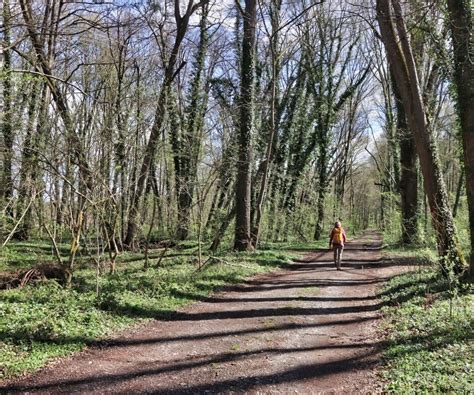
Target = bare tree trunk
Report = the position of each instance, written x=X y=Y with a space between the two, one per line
x=25 y=189
x=462 y=29
x=243 y=240
x=400 y=56
x=120 y=159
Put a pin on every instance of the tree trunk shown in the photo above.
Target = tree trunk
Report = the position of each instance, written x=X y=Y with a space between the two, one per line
x=189 y=150
x=462 y=30
x=318 y=230
x=223 y=191
x=6 y=127
x=400 y=56
x=458 y=193
x=243 y=240
x=392 y=153
x=119 y=140
x=322 y=185
x=25 y=189
x=408 y=183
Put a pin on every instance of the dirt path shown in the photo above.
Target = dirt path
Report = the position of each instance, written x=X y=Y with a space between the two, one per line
x=304 y=329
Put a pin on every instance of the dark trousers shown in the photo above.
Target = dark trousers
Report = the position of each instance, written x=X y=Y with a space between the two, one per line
x=337 y=248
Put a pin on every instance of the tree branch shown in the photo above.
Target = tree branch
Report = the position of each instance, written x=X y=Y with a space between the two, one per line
x=48 y=76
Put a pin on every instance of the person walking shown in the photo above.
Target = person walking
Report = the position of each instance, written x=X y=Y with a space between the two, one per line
x=336 y=241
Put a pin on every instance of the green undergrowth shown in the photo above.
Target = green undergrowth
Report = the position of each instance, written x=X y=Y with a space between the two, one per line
x=420 y=256
x=430 y=339
x=45 y=320
x=21 y=255
x=299 y=245
x=294 y=245
x=425 y=242
x=25 y=255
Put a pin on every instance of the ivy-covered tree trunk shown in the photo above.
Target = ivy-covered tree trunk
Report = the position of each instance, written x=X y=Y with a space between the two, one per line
x=296 y=104
x=223 y=194
x=243 y=239
x=408 y=183
x=191 y=140
x=322 y=185
x=399 y=53
x=393 y=153
x=462 y=29
x=6 y=188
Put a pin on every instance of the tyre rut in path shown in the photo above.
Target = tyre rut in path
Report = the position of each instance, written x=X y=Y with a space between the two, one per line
x=304 y=329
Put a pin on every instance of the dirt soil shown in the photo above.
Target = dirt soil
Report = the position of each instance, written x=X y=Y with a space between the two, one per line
x=304 y=329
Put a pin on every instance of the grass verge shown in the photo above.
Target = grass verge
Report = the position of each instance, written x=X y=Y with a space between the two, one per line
x=46 y=320
x=429 y=326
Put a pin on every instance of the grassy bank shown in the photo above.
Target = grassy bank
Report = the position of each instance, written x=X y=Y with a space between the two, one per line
x=45 y=320
x=430 y=333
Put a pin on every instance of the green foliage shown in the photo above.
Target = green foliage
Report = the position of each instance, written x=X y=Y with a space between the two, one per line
x=44 y=321
x=294 y=245
x=22 y=255
x=425 y=249
x=462 y=226
x=431 y=338
x=392 y=234
x=417 y=254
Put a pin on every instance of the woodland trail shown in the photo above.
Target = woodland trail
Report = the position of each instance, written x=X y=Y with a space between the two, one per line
x=306 y=328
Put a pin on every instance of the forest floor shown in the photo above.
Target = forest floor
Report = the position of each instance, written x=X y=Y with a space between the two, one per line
x=302 y=329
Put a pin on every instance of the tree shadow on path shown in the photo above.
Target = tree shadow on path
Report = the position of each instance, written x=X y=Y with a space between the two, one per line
x=301 y=372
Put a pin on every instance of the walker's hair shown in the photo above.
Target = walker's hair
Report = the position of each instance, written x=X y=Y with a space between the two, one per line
x=338 y=223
